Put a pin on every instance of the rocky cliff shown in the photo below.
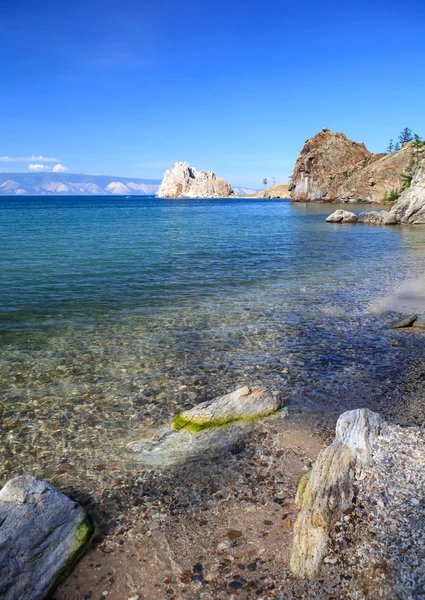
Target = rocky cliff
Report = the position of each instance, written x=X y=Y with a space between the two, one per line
x=409 y=208
x=332 y=168
x=183 y=181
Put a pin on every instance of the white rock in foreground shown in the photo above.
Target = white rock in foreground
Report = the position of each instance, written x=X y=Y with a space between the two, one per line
x=327 y=490
x=342 y=216
x=42 y=532
x=209 y=428
x=183 y=181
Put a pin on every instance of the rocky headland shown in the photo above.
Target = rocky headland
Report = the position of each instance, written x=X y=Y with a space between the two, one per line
x=408 y=209
x=184 y=181
x=332 y=168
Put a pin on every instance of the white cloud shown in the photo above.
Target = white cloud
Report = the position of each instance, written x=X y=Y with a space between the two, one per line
x=38 y=167
x=27 y=159
x=59 y=169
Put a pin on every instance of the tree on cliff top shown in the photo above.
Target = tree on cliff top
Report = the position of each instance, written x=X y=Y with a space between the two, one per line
x=405 y=136
x=390 y=148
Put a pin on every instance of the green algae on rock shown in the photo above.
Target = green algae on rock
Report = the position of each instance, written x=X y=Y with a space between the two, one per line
x=245 y=404
x=42 y=533
x=302 y=484
x=208 y=428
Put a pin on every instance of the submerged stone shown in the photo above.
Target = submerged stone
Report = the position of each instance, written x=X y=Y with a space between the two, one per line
x=419 y=323
x=208 y=428
x=42 y=532
x=404 y=322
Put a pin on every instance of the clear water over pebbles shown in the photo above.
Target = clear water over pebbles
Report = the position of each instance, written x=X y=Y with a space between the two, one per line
x=116 y=313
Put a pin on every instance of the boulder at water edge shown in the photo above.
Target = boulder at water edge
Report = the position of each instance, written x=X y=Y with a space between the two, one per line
x=325 y=492
x=342 y=216
x=42 y=532
x=208 y=428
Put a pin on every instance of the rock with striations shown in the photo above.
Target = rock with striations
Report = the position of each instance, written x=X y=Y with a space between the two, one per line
x=42 y=532
x=183 y=181
x=332 y=168
x=342 y=216
x=327 y=491
x=409 y=208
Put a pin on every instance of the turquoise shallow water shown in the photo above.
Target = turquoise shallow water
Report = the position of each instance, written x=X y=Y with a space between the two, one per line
x=117 y=312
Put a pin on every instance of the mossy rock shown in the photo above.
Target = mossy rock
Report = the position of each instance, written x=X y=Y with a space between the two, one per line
x=42 y=534
x=209 y=428
x=302 y=484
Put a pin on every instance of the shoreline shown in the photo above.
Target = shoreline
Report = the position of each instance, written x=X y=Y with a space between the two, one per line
x=209 y=529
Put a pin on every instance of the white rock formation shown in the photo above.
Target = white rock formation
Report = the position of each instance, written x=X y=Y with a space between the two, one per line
x=42 y=532
x=209 y=428
x=342 y=216
x=183 y=181
x=325 y=492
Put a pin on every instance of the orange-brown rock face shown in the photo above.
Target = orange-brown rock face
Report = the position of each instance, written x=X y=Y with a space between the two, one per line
x=332 y=168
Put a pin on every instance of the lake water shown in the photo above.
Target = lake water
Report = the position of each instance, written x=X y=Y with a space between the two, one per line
x=115 y=313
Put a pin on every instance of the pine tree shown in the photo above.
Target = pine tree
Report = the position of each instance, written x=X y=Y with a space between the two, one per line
x=390 y=148
x=397 y=147
x=265 y=181
x=419 y=147
x=405 y=136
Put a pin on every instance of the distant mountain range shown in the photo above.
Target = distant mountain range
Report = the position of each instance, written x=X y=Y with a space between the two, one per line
x=69 y=184
x=72 y=184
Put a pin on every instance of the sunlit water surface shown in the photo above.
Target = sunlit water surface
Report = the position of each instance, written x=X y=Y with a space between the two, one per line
x=116 y=313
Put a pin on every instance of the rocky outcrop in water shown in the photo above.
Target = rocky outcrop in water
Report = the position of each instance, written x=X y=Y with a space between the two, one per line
x=327 y=491
x=183 y=181
x=332 y=168
x=209 y=428
x=42 y=532
x=342 y=216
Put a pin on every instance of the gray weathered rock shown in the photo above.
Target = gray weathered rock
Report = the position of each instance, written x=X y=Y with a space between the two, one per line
x=419 y=323
x=183 y=181
x=208 y=428
x=409 y=208
x=327 y=490
x=376 y=217
x=404 y=322
x=342 y=216
x=42 y=532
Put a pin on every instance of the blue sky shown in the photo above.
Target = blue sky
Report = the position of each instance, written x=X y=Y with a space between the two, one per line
x=128 y=88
